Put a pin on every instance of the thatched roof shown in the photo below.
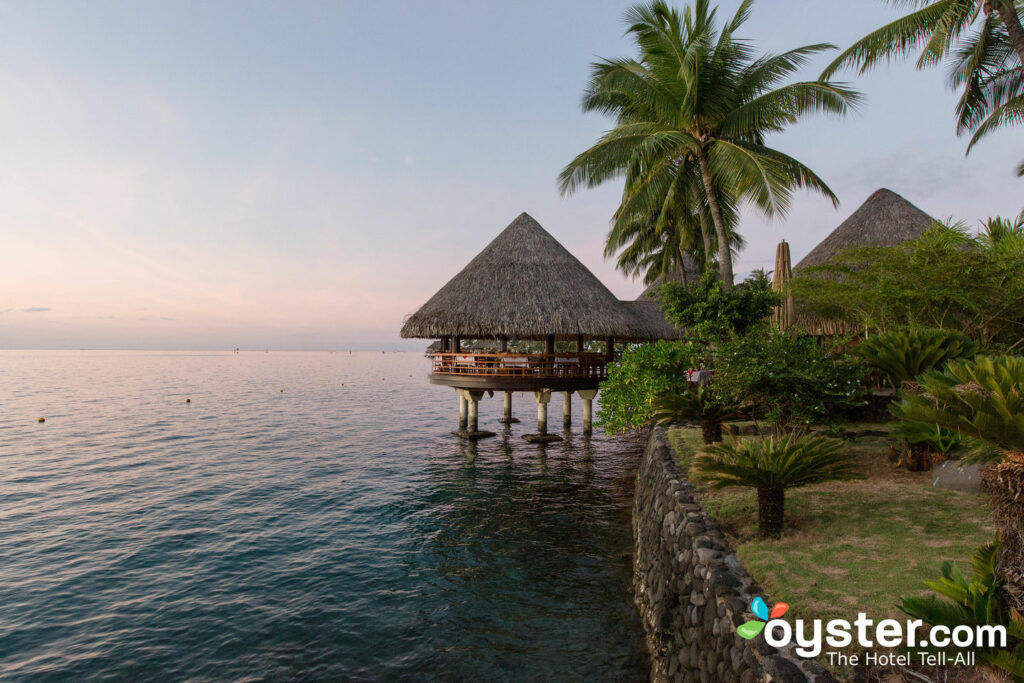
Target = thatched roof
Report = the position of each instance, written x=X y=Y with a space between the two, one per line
x=649 y=315
x=524 y=285
x=884 y=219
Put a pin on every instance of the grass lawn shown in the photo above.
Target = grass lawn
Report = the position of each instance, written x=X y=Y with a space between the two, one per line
x=855 y=546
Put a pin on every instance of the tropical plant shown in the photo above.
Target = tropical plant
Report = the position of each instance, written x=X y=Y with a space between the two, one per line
x=932 y=437
x=904 y=354
x=771 y=466
x=696 y=403
x=644 y=374
x=984 y=399
x=694 y=109
x=982 y=40
x=975 y=603
x=944 y=279
x=706 y=309
x=791 y=378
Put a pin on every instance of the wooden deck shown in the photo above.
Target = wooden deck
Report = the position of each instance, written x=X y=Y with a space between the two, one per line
x=519 y=371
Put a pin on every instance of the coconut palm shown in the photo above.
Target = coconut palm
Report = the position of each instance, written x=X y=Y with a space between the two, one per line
x=771 y=466
x=674 y=233
x=983 y=42
x=698 y=104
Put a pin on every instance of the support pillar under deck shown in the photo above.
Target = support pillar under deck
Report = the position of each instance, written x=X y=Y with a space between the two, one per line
x=543 y=397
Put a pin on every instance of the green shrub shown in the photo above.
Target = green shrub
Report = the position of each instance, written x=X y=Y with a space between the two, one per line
x=944 y=279
x=643 y=375
x=706 y=309
x=696 y=403
x=934 y=438
x=773 y=465
x=977 y=602
x=789 y=377
x=904 y=354
x=981 y=398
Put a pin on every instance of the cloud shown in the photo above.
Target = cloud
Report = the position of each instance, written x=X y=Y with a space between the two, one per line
x=36 y=309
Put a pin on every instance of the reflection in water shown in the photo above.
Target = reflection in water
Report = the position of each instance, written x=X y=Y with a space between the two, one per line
x=333 y=530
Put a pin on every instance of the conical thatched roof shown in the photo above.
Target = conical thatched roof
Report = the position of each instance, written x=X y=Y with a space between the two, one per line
x=523 y=285
x=884 y=219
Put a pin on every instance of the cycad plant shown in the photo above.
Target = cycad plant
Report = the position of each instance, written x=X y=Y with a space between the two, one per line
x=694 y=110
x=977 y=602
x=984 y=399
x=771 y=466
x=699 y=404
x=902 y=355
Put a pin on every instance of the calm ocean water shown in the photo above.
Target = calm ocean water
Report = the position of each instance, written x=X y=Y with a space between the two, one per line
x=334 y=530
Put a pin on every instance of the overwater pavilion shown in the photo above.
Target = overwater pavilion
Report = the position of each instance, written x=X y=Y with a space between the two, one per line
x=525 y=286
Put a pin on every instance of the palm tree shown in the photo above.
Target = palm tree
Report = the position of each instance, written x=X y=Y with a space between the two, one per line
x=696 y=107
x=771 y=466
x=934 y=26
x=699 y=404
x=984 y=43
x=673 y=232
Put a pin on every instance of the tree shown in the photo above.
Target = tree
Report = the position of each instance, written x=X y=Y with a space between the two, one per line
x=983 y=40
x=644 y=374
x=706 y=309
x=773 y=465
x=696 y=107
x=695 y=403
x=945 y=279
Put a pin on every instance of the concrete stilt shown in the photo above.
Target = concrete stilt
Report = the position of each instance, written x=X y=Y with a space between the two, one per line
x=543 y=397
x=463 y=409
x=474 y=410
x=567 y=410
x=469 y=403
x=588 y=396
x=508 y=419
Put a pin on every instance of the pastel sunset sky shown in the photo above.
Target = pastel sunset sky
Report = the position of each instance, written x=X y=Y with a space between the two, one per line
x=302 y=175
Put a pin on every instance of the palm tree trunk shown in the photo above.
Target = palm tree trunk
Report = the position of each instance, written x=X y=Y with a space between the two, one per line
x=682 y=264
x=724 y=255
x=771 y=502
x=711 y=430
x=1008 y=13
x=705 y=235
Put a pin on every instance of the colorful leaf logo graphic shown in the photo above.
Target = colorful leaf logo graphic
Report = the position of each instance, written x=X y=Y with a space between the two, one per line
x=751 y=629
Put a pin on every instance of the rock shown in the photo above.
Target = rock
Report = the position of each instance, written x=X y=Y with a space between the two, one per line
x=954 y=476
x=779 y=670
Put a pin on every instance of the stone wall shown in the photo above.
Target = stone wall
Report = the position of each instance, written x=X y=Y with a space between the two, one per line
x=692 y=591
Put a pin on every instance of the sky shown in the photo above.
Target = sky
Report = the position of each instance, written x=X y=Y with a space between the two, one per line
x=303 y=175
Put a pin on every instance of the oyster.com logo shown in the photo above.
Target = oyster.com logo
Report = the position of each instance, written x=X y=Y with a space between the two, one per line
x=752 y=629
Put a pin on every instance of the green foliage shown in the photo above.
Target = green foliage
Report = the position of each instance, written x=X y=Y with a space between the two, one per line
x=645 y=374
x=706 y=309
x=788 y=376
x=905 y=354
x=945 y=279
x=983 y=60
x=981 y=398
x=788 y=462
x=695 y=403
x=974 y=603
x=773 y=465
x=692 y=114
x=934 y=438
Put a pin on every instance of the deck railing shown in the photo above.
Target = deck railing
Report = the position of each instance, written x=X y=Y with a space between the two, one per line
x=538 y=365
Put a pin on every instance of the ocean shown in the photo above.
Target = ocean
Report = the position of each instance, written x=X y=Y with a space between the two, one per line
x=305 y=516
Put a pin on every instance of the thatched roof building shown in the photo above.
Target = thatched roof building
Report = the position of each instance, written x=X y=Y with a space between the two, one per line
x=884 y=219
x=525 y=285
